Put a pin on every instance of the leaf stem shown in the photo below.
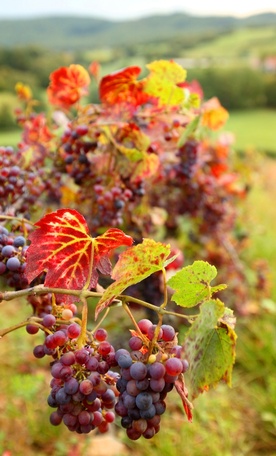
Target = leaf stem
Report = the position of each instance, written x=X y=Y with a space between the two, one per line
x=164 y=305
x=128 y=311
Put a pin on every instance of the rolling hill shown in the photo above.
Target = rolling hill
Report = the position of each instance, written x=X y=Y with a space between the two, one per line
x=72 y=33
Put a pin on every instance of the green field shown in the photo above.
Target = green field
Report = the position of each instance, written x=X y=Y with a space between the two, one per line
x=254 y=129
x=238 y=44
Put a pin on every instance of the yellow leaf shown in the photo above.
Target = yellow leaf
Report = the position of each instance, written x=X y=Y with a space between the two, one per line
x=163 y=80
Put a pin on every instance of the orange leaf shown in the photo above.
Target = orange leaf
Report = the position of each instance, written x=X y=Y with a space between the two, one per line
x=214 y=115
x=122 y=87
x=67 y=85
x=63 y=248
x=23 y=91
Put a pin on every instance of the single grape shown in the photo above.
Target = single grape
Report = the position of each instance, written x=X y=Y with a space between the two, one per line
x=13 y=263
x=138 y=370
x=168 y=333
x=19 y=241
x=173 y=366
x=49 y=320
x=73 y=331
x=144 y=401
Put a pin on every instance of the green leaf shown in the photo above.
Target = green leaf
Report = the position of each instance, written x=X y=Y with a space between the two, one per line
x=192 y=284
x=190 y=129
x=133 y=266
x=210 y=348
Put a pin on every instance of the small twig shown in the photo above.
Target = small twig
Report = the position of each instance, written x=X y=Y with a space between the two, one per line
x=101 y=320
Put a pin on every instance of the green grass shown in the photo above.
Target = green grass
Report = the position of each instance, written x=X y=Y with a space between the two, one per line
x=253 y=129
x=10 y=138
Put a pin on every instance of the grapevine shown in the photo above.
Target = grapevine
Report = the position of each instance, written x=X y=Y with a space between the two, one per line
x=82 y=199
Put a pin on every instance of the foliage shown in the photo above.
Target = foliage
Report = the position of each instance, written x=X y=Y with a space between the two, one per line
x=142 y=159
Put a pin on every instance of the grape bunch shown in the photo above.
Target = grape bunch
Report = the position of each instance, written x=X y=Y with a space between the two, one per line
x=21 y=185
x=83 y=386
x=146 y=381
x=188 y=154
x=12 y=258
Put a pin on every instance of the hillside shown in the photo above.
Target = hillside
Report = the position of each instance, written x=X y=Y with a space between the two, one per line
x=72 y=33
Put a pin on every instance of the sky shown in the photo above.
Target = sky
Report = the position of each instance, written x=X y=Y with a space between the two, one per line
x=130 y=9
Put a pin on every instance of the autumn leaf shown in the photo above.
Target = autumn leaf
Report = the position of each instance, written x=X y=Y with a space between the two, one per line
x=133 y=266
x=94 y=70
x=68 y=85
x=132 y=142
x=123 y=87
x=147 y=167
x=210 y=347
x=163 y=80
x=62 y=247
x=214 y=115
x=192 y=284
x=23 y=91
x=183 y=393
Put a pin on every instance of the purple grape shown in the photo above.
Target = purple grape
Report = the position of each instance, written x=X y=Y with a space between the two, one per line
x=138 y=371
x=7 y=251
x=2 y=268
x=13 y=264
x=19 y=241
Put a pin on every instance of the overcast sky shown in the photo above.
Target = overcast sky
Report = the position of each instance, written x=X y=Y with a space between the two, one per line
x=128 y=9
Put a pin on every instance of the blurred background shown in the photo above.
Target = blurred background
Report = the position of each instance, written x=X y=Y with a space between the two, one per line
x=231 y=51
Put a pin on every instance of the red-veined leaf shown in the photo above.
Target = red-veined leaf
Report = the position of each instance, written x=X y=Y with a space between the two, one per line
x=62 y=247
x=133 y=266
x=123 y=87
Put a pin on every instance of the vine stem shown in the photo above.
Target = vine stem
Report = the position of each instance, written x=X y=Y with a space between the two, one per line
x=101 y=320
x=84 y=318
x=128 y=311
x=19 y=219
x=30 y=321
x=41 y=289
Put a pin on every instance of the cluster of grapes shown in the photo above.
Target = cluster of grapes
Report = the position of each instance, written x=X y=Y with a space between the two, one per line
x=83 y=386
x=75 y=153
x=21 y=187
x=188 y=155
x=12 y=259
x=110 y=204
x=88 y=393
x=145 y=381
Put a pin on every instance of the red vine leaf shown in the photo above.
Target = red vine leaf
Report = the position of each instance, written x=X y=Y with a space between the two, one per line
x=68 y=85
x=123 y=87
x=63 y=248
x=133 y=266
